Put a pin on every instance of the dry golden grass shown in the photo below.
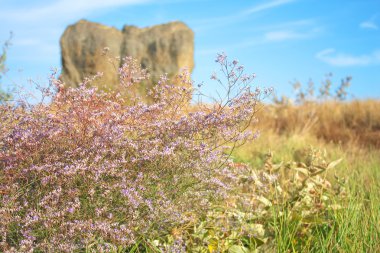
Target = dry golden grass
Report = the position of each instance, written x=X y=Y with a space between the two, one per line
x=355 y=122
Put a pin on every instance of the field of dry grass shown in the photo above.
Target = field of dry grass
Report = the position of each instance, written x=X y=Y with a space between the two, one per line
x=354 y=122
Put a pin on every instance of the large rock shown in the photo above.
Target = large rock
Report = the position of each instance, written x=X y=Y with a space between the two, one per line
x=162 y=49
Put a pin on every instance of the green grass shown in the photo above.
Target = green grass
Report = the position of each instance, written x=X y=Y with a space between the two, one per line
x=355 y=227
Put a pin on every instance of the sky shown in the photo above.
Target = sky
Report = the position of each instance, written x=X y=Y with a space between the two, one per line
x=279 y=40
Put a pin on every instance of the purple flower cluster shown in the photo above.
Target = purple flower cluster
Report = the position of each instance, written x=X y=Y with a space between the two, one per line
x=89 y=165
x=130 y=72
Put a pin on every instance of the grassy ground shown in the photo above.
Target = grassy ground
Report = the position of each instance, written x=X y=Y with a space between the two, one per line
x=310 y=183
x=341 y=213
x=356 y=226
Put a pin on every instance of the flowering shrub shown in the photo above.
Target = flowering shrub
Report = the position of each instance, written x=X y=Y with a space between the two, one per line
x=264 y=201
x=94 y=168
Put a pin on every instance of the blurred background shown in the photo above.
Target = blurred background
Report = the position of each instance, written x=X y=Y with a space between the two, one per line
x=279 y=40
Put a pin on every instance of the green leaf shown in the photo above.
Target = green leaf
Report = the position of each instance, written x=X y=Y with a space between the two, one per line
x=264 y=200
x=276 y=167
x=252 y=242
x=238 y=249
x=333 y=164
x=302 y=170
x=213 y=245
x=257 y=229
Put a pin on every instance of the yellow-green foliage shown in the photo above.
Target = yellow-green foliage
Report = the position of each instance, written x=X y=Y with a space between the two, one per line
x=347 y=130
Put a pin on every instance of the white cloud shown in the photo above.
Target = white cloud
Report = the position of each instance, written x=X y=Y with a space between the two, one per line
x=369 y=25
x=270 y=37
x=62 y=10
x=289 y=25
x=283 y=35
x=27 y=42
x=332 y=58
x=214 y=22
x=37 y=27
x=266 y=6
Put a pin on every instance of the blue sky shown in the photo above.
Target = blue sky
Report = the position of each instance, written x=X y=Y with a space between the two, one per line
x=279 y=40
